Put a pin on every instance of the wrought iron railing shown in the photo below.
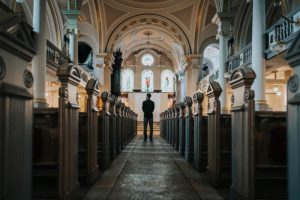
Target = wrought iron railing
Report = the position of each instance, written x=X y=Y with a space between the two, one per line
x=55 y=57
x=283 y=30
x=243 y=58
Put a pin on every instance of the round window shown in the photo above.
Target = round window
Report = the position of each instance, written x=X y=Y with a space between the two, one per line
x=147 y=60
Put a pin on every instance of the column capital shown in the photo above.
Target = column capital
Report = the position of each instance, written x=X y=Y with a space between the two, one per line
x=224 y=21
x=193 y=61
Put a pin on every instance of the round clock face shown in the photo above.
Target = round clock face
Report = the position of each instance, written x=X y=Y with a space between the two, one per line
x=147 y=60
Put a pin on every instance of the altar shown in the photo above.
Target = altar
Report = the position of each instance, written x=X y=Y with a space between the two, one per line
x=161 y=101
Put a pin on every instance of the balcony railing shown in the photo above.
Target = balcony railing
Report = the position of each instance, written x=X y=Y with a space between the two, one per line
x=55 y=57
x=282 y=30
x=243 y=58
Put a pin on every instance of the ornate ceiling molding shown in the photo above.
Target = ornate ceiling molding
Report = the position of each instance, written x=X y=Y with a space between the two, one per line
x=146 y=20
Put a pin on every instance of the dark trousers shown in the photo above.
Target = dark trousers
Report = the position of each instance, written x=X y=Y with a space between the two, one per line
x=146 y=121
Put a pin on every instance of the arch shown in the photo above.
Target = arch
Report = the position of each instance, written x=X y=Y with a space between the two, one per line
x=127 y=80
x=147 y=80
x=149 y=19
x=167 y=81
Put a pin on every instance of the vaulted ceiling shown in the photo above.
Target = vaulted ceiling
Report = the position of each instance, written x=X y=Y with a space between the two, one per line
x=173 y=26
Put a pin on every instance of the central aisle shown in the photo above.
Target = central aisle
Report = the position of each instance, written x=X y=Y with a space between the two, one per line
x=151 y=171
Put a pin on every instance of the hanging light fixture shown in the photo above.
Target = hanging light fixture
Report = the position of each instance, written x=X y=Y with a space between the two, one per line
x=20 y=1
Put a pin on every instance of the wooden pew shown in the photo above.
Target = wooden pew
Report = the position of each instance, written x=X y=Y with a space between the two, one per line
x=16 y=102
x=293 y=138
x=113 y=128
x=219 y=139
x=243 y=162
x=200 y=134
x=103 y=132
x=55 y=171
x=258 y=144
x=119 y=127
x=162 y=124
x=173 y=141
x=45 y=153
x=270 y=155
x=189 y=129
x=169 y=125
x=88 y=135
x=176 y=127
x=182 y=128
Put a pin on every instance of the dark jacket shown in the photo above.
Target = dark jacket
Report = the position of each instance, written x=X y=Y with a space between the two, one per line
x=148 y=108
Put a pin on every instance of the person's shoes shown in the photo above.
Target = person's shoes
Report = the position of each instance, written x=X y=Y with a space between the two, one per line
x=145 y=140
x=151 y=140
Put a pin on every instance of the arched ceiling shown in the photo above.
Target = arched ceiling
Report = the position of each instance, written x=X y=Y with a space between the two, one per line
x=175 y=25
x=172 y=24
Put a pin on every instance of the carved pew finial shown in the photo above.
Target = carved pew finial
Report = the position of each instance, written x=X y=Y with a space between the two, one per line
x=70 y=77
x=214 y=91
x=243 y=164
x=92 y=89
x=198 y=99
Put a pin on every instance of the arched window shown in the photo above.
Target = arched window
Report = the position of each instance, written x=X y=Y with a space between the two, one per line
x=127 y=80
x=147 y=81
x=167 y=81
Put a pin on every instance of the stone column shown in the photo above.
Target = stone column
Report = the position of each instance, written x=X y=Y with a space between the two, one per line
x=73 y=48
x=72 y=12
x=108 y=62
x=223 y=21
x=182 y=79
x=258 y=58
x=99 y=59
x=40 y=60
x=193 y=71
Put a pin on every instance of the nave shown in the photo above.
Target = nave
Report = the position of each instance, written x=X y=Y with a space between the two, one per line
x=151 y=171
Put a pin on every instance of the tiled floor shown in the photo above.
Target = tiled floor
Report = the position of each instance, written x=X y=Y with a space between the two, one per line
x=151 y=171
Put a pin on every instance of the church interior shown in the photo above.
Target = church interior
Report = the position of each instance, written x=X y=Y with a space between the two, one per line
x=223 y=74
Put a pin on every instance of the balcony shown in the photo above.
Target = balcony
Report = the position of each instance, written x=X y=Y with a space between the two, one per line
x=55 y=57
x=243 y=58
x=283 y=30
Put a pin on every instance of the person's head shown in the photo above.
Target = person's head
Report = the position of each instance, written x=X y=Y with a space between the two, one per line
x=148 y=95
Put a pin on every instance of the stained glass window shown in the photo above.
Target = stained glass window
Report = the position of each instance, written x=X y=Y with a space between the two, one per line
x=167 y=81
x=127 y=80
x=147 y=81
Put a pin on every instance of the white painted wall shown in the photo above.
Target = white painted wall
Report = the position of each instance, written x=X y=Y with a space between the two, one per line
x=135 y=102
